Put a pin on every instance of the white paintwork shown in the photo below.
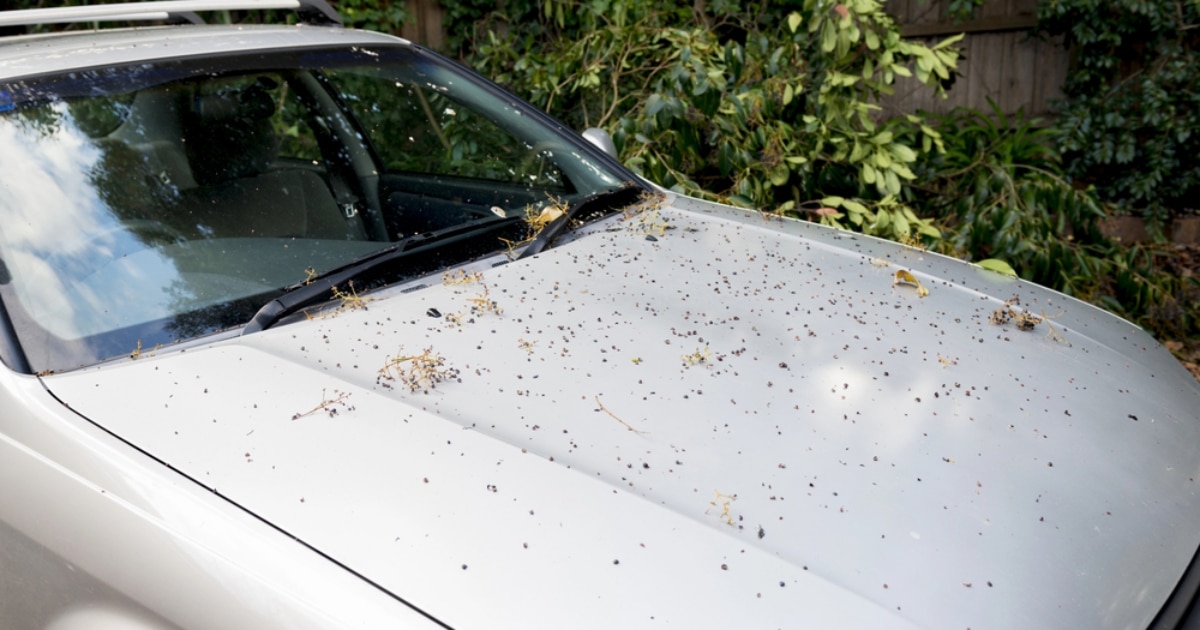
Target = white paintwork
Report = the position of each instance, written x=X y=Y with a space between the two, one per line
x=43 y=54
x=129 y=539
x=154 y=10
x=907 y=461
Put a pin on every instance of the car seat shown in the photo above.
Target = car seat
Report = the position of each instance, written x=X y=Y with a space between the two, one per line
x=231 y=147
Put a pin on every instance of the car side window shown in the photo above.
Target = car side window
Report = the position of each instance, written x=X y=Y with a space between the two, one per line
x=418 y=129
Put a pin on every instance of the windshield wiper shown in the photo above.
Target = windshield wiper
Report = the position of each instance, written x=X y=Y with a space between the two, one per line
x=318 y=289
x=599 y=202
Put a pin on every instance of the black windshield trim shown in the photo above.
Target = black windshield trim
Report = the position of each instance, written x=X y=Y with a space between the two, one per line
x=319 y=289
x=601 y=202
x=11 y=352
x=1182 y=609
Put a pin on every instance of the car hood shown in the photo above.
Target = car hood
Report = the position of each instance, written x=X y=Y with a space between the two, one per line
x=704 y=417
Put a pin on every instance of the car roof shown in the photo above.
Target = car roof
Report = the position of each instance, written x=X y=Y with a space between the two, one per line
x=32 y=55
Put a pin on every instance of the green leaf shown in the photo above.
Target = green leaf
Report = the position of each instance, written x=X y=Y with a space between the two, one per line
x=998 y=266
x=725 y=159
x=869 y=174
x=794 y=20
x=855 y=207
x=780 y=174
x=902 y=170
x=654 y=104
x=828 y=38
x=903 y=153
x=954 y=39
x=857 y=153
x=926 y=228
x=893 y=182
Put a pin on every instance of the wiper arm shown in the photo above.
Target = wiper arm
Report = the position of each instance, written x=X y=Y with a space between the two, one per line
x=319 y=289
x=617 y=197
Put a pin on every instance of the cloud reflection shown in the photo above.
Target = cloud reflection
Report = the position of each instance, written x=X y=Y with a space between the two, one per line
x=58 y=230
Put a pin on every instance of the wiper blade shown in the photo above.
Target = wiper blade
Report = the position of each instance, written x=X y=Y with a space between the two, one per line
x=319 y=289
x=315 y=291
x=615 y=198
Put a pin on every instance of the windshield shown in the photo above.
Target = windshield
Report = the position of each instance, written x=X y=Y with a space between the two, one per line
x=146 y=205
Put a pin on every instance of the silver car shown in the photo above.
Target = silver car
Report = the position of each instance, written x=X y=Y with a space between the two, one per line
x=309 y=327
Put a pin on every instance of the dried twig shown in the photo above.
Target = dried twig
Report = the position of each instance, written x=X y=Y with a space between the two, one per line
x=614 y=417
x=330 y=406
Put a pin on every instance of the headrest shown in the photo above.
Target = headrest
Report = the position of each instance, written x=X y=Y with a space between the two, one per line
x=229 y=134
x=252 y=103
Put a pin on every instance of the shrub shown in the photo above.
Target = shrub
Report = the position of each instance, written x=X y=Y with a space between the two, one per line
x=999 y=192
x=761 y=105
x=1130 y=119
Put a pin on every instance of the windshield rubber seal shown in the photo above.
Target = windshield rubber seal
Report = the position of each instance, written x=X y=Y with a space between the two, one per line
x=1182 y=610
x=11 y=352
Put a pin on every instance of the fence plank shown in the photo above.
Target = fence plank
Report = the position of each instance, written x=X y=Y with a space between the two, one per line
x=1001 y=61
x=426 y=28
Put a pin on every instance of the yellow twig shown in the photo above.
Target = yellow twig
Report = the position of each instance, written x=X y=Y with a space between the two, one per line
x=614 y=417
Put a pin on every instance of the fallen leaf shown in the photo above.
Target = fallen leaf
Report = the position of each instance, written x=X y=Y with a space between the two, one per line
x=904 y=277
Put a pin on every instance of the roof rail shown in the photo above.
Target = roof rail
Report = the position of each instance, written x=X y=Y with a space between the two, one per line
x=309 y=11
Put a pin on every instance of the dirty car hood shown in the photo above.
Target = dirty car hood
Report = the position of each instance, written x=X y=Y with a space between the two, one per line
x=731 y=422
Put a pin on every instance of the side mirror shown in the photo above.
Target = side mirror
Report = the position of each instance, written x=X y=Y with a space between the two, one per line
x=601 y=139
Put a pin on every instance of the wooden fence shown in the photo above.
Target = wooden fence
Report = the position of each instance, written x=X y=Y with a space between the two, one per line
x=1001 y=60
x=426 y=28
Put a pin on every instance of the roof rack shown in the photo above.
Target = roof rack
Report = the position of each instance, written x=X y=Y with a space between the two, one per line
x=309 y=11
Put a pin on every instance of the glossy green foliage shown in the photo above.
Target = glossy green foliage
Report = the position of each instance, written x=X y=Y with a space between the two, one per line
x=1130 y=122
x=377 y=15
x=963 y=10
x=764 y=105
x=999 y=193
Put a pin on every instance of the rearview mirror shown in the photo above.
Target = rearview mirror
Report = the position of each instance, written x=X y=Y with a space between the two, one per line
x=601 y=139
